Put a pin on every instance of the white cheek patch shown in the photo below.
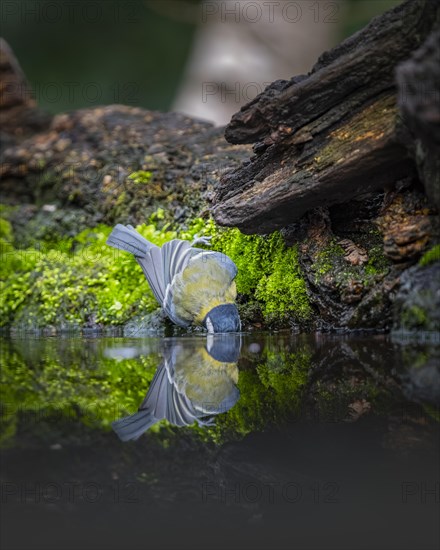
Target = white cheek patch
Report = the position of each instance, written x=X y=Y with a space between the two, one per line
x=209 y=325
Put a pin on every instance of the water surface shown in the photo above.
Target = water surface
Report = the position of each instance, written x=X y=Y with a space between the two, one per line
x=265 y=441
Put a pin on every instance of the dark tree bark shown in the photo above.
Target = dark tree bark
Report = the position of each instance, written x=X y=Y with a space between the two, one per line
x=330 y=136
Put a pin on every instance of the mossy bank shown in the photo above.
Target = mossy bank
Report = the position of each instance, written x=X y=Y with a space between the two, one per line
x=322 y=280
x=80 y=282
x=64 y=188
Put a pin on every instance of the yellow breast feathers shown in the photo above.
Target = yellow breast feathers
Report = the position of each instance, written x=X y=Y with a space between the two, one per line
x=204 y=284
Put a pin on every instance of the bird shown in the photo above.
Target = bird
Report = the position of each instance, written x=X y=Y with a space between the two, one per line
x=194 y=382
x=194 y=286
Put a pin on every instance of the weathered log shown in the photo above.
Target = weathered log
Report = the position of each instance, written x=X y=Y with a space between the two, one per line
x=327 y=137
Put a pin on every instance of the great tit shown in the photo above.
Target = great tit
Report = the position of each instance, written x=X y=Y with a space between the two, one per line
x=193 y=286
x=193 y=383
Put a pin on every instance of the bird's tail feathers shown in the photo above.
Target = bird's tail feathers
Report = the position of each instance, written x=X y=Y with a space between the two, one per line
x=133 y=426
x=128 y=239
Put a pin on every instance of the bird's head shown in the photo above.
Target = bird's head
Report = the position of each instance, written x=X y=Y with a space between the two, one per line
x=224 y=318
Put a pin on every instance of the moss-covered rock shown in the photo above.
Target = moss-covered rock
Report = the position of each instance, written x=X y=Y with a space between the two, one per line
x=417 y=306
x=70 y=281
x=269 y=274
x=430 y=256
x=81 y=282
x=112 y=164
x=348 y=277
x=75 y=283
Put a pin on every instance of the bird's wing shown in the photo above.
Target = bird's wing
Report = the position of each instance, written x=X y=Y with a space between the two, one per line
x=164 y=401
x=151 y=265
x=133 y=426
x=180 y=410
x=155 y=400
x=128 y=239
x=160 y=266
x=147 y=254
x=175 y=256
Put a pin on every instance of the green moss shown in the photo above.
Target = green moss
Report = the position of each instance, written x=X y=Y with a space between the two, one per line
x=270 y=394
x=5 y=230
x=415 y=317
x=377 y=262
x=141 y=176
x=432 y=411
x=75 y=282
x=268 y=272
x=66 y=379
x=6 y=211
x=431 y=256
x=80 y=281
x=330 y=262
x=325 y=259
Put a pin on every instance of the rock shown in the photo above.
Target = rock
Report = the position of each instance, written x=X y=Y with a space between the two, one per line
x=419 y=102
x=373 y=312
x=348 y=290
x=358 y=408
x=154 y=323
x=417 y=304
x=82 y=165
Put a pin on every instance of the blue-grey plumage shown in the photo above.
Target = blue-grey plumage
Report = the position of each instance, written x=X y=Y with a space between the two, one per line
x=193 y=383
x=191 y=284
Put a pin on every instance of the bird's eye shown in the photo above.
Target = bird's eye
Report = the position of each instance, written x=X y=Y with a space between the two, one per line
x=209 y=325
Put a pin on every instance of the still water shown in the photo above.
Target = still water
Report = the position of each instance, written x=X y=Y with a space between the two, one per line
x=251 y=441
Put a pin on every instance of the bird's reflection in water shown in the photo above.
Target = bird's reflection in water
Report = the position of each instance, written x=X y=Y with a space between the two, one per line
x=195 y=381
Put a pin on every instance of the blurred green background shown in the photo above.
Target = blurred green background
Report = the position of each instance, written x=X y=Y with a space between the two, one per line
x=79 y=53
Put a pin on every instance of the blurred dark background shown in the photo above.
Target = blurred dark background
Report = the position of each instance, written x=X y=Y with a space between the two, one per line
x=158 y=55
